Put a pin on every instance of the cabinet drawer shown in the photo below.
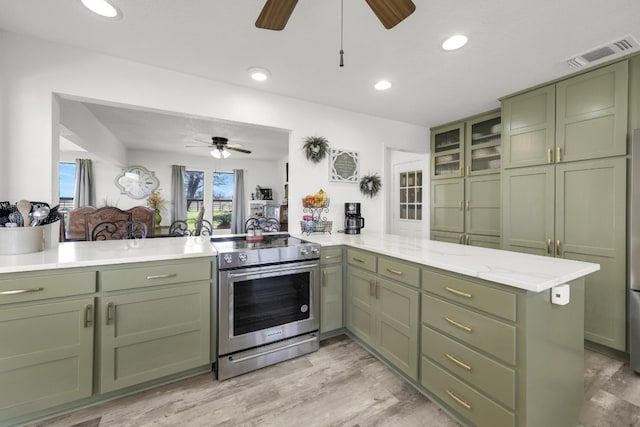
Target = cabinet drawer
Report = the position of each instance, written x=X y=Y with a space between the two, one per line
x=465 y=400
x=487 y=334
x=34 y=287
x=331 y=255
x=400 y=271
x=154 y=274
x=361 y=259
x=494 y=301
x=485 y=374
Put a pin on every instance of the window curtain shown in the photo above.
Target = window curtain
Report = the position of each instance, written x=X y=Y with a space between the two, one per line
x=178 y=196
x=83 y=192
x=237 y=214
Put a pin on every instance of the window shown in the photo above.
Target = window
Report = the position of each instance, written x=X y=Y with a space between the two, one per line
x=222 y=199
x=194 y=192
x=411 y=195
x=66 y=184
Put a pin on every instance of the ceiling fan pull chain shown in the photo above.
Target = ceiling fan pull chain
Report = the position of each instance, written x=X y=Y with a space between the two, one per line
x=341 y=32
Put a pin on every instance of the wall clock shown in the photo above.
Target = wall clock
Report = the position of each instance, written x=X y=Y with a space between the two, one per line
x=137 y=182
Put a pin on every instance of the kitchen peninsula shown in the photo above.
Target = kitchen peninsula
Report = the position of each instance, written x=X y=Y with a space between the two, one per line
x=473 y=328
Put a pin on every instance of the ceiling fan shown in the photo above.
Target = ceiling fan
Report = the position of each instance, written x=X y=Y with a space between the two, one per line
x=220 y=146
x=276 y=13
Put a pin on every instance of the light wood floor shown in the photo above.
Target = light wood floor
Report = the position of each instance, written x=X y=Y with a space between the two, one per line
x=340 y=385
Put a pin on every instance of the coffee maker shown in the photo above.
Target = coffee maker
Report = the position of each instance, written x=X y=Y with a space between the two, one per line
x=353 y=222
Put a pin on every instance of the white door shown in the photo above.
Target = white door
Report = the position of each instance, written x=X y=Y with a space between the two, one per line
x=410 y=198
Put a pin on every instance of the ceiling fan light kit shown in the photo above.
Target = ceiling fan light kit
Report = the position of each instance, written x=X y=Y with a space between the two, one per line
x=220 y=153
x=221 y=147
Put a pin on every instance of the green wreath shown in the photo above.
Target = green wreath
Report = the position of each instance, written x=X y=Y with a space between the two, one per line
x=370 y=185
x=316 y=148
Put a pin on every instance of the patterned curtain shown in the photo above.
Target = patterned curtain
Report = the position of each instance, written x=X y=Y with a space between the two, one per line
x=237 y=214
x=178 y=196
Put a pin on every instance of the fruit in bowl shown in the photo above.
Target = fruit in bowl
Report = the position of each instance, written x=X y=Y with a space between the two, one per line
x=318 y=200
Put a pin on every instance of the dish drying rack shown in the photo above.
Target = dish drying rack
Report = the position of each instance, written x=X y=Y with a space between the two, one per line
x=318 y=222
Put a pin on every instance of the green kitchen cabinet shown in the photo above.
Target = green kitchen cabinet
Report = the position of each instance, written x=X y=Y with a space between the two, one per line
x=152 y=324
x=447 y=205
x=47 y=339
x=577 y=211
x=580 y=118
x=491 y=353
x=382 y=308
x=331 y=289
x=447 y=151
x=483 y=149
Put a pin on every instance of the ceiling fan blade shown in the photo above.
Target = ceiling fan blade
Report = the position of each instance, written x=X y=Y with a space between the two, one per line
x=199 y=146
x=235 y=145
x=241 y=150
x=391 y=12
x=275 y=14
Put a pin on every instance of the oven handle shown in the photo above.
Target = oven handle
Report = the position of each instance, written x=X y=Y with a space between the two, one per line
x=274 y=269
x=273 y=350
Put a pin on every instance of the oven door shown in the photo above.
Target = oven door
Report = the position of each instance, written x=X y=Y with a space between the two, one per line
x=261 y=305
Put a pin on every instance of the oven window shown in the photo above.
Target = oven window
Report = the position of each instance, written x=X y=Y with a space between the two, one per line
x=270 y=301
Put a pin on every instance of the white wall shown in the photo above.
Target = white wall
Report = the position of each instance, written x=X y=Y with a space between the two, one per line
x=33 y=71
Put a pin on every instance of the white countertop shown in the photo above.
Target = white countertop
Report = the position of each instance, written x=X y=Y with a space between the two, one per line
x=84 y=254
x=529 y=272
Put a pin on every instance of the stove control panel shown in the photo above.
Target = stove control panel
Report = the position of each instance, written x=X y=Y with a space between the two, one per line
x=228 y=258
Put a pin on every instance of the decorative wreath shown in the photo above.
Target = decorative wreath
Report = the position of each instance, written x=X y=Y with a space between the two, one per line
x=316 y=148
x=370 y=185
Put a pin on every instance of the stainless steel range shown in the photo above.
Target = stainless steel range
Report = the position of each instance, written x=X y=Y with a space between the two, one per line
x=268 y=301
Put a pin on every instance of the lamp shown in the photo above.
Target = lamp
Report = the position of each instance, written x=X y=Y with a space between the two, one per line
x=220 y=153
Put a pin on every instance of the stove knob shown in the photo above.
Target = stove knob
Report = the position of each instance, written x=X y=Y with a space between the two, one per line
x=315 y=250
x=242 y=257
x=304 y=251
x=228 y=258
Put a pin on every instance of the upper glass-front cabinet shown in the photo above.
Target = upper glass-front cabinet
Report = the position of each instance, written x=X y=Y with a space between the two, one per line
x=483 y=146
x=447 y=152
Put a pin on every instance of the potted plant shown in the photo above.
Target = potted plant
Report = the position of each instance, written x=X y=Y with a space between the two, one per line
x=156 y=202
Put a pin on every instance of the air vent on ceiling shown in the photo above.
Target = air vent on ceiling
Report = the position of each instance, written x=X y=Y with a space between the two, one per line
x=607 y=52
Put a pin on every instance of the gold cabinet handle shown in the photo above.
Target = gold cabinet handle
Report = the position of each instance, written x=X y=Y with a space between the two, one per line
x=458 y=325
x=558 y=252
x=458 y=362
x=371 y=288
x=468 y=203
x=161 y=276
x=357 y=259
x=396 y=272
x=457 y=399
x=324 y=279
x=558 y=154
x=109 y=314
x=468 y=239
x=548 y=246
x=460 y=205
x=549 y=158
x=461 y=239
x=377 y=291
x=21 y=291
x=468 y=170
x=331 y=256
x=461 y=173
x=88 y=315
x=457 y=292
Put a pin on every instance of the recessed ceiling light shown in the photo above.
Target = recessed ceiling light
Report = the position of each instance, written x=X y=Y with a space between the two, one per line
x=382 y=85
x=259 y=74
x=103 y=8
x=455 y=42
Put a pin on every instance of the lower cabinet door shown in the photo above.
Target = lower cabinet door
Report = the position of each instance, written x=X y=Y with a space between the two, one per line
x=397 y=325
x=151 y=334
x=360 y=308
x=331 y=298
x=46 y=356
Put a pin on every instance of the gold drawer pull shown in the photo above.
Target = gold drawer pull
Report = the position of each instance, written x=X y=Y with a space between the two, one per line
x=549 y=159
x=396 y=272
x=558 y=157
x=459 y=325
x=21 y=291
x=558 y=251
x=88 y=310
x=457 y=399
x=161 y=276
x=331 y=256
x=357 y=259
x=458 y=362
x=457 y=292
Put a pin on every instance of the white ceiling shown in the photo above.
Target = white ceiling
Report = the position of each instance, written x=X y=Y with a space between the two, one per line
x=514 y=44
